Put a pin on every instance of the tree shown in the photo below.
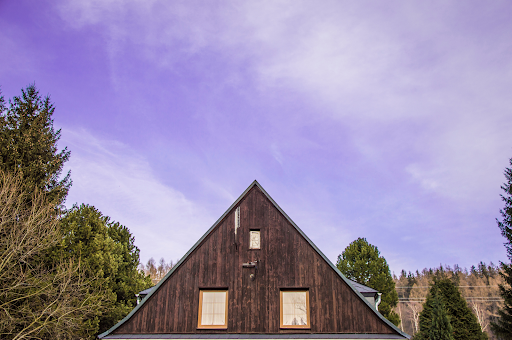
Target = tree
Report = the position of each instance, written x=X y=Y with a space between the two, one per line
x=106 y=250
x=503 y=325
x=28 y=143
x=464 y=323
x=362 y=262
x=39 y=299
x=156 y=273
x=441 y=328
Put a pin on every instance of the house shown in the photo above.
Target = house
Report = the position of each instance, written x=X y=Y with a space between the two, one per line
x=255 y=275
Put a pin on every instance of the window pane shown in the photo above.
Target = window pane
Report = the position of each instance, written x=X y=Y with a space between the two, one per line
x=219 y=308
x=287 y=319
x=294 y=308
x=301 y=320
x=207 y=319
x=254 y=239
x=213 y=312
x=220 y=297
x=218 y=319
x=208 y=297
x=209 y=308
x=287 y=309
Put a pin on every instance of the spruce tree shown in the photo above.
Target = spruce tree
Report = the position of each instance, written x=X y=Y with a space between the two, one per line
x=441 y=328
x=463 y=321
x=503 y=325
x=28 y=144
x=362 y=262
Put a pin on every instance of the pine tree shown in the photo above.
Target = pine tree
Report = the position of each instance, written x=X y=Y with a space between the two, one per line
x=28 y=144
x=441 y=328
x=463 y=321
x=362 y=262
x=503 y=325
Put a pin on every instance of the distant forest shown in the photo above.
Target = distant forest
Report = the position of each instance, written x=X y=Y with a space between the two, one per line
x=479 y=285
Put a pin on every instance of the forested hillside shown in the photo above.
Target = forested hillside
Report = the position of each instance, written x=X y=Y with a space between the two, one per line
x=479 y=285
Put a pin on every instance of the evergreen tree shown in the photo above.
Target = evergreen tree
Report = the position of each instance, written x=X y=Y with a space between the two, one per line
x=441 y=328
x=463 y=321
x=362 y=262
x=106 y=250
x=28 y=144
x=503 y=325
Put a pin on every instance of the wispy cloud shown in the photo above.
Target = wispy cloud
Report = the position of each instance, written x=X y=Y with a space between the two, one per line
x=122 y=185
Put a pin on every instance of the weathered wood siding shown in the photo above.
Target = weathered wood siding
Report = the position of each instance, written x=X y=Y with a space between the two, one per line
x=286 y=260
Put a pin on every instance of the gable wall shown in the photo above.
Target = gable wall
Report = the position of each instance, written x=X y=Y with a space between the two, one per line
x=287 y=260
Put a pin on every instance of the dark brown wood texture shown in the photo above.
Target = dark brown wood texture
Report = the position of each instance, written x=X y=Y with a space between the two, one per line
x=286 y=260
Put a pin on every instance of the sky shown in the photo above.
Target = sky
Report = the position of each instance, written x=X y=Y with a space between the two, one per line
x=385 y=120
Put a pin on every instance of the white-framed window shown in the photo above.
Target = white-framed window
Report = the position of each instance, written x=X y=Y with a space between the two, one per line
x=295 y=309
x=213 y=309
x=254 y=239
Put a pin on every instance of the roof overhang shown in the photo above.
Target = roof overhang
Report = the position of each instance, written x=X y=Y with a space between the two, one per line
x=217 y=336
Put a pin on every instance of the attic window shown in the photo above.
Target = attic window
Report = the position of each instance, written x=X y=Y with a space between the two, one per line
x=254 y=239
x=295 y=309
x=213 y=309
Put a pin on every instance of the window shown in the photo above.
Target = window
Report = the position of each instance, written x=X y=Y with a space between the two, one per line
x=254 y=239
x=213 y=309
x=295 y=309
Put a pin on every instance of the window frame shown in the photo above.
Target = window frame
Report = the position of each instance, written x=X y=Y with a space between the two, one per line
x=200 y=309
x=281 y=325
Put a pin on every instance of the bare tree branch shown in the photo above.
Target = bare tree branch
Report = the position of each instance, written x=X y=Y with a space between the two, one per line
x=39 y=299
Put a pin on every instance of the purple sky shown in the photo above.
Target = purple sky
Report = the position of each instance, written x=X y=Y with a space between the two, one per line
x=386 y=120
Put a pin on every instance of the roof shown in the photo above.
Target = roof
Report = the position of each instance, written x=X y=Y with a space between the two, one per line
x=196 y=245
x=146 y=291
x=360 y=287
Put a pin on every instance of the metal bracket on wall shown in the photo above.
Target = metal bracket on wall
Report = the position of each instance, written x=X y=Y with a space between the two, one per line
x=253 y=264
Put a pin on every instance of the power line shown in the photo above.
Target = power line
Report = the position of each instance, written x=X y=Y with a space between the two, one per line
x=471 y=298
x=417 y=287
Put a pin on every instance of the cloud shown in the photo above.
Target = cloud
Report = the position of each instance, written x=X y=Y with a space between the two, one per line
x=353 y=62
x=122 y=185
x=367 y=62
x=426 y=180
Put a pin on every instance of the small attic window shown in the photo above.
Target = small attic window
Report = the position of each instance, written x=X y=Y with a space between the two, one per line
x=254 y=239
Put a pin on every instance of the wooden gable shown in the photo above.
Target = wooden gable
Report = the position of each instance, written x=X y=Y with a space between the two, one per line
x=287 y=259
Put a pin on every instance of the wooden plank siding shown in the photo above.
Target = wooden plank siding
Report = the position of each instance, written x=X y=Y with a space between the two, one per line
x=286 y=260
